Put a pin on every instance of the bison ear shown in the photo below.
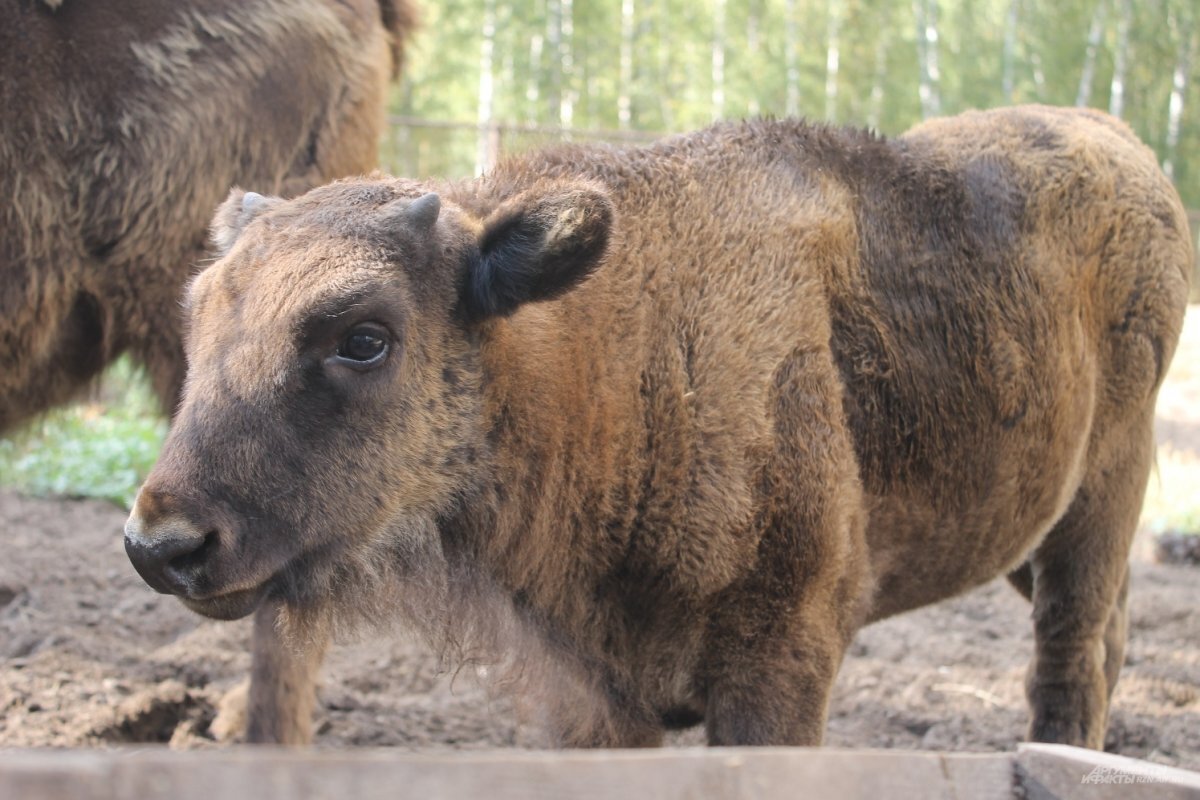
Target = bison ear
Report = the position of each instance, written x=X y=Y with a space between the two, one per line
x=537 y=246
x=239 y=210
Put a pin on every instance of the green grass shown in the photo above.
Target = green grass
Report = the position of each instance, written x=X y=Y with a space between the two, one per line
x=100 y=448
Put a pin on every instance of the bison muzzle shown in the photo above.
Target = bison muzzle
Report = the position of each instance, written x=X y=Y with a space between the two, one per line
x=671 y=423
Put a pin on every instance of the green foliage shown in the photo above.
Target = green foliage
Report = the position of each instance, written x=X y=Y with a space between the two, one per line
x=1185 y=522
x=672 y=77
x=102 y=448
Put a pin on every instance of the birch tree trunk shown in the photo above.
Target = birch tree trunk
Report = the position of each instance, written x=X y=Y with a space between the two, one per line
x=1116 y=100
x=791 y=62
x=625 y=76
x=927 y=52
x=1179 y=87
x=1095 y=31
x=532 y=87
x=484 y=154
x=718 y=60
x=504 y=62
x=566 y=60
x=875 y=109
x=553 y=47
x=1007 y=80
x=533 y=90
x=665 y=62
x=753 y=43
x=832 y=60
x=1039 y=75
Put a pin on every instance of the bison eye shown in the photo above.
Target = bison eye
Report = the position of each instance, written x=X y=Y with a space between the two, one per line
x=364 y=347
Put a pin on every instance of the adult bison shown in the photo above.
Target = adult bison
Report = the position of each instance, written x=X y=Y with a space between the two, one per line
x=674 y=422
x=122 y=125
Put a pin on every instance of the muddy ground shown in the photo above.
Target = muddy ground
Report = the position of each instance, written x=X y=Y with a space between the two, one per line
x=89 y=656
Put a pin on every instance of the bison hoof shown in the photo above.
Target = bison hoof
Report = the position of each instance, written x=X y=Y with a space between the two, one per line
x=229 y=726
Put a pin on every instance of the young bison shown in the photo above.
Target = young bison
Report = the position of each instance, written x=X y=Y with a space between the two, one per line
x=121 y=126
x=676 y=421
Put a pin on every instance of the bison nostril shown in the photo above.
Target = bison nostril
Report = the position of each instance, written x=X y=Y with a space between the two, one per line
x=191 y=562
x=170 y=554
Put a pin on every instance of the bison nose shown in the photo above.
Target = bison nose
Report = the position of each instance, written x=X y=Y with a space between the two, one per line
x=168 y=551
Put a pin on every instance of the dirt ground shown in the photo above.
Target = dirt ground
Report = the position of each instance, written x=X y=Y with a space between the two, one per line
x=89 y=656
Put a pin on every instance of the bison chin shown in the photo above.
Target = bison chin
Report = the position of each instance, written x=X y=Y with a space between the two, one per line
x=233 y=605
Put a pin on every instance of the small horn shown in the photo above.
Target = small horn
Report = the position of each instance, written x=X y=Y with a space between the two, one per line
x=239 y=210
x=422 y=213
x=253 y=202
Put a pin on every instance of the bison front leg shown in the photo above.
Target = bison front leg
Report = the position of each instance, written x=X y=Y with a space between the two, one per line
x=283 y=681
x=776 y=638
x=773 y=688
x=1080 y=586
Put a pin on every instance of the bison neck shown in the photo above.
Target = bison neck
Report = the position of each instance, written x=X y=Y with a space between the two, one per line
x=548 y=519
x=594 y=514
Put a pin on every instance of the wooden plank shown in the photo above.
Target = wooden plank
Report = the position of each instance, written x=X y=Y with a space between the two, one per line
x=1056 y=771
x=55 y=775
x=1034 y=772
x=686 y=774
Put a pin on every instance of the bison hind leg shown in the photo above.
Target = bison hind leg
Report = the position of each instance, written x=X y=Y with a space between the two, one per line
x=1079 y=579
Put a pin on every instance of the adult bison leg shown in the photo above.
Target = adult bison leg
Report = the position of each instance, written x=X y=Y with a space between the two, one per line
x=283 y=683
x=775 y=690
x=55 y=337
x=776 y=639
x=153 y=323
x=1079 y=597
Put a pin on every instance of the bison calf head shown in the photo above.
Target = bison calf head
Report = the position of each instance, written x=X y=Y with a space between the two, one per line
x=334 y=399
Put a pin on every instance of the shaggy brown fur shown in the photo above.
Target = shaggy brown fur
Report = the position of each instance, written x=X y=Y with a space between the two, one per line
x=121 y=127
x=115 y=150
x=687 y=416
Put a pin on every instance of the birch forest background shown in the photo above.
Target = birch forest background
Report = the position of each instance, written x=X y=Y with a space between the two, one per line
x=488 y=76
